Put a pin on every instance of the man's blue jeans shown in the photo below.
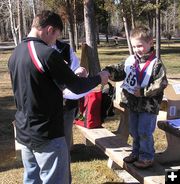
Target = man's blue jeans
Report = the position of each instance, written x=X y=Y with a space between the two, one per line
x=141 y=128
x=69 y=116
x=48 y=165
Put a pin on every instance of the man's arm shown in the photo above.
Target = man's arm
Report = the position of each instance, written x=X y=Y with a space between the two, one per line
x=63 y=75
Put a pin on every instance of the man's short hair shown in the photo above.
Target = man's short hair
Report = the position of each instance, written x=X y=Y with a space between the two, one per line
x=47 y=18
x=142 y=33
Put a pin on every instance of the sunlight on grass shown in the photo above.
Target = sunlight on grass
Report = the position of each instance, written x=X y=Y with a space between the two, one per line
x=108 y=56
x=81 y=173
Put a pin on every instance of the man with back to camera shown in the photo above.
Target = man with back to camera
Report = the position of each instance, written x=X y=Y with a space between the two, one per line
x=37 y=74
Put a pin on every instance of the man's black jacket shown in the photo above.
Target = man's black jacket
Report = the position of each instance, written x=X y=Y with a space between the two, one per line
x=38 y=97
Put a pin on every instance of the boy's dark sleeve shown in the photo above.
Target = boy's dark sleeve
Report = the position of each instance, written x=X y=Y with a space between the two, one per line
x=117 y=72
x=158 y=81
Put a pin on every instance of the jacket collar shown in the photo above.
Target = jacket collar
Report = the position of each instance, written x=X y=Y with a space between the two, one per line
x=27 y=39
x=145 y=57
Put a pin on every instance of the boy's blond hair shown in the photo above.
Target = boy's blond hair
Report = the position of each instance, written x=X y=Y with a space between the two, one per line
x=142 y=33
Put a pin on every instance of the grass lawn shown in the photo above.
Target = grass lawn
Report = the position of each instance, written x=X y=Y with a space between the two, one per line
x=89 y=165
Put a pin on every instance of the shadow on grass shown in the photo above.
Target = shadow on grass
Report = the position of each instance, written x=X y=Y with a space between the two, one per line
x=118 y=183
x=11 y=164
x=165 y=41
x=174 y=78
x=115 y=52
x=170 y=50
x=7 y=111
x=7 y=149
x=81 y=152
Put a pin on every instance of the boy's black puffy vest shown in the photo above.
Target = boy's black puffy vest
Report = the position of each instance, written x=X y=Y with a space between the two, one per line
x=64 y=49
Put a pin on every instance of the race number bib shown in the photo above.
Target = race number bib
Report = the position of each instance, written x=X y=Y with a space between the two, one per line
x=135 y=77
x=130 y=81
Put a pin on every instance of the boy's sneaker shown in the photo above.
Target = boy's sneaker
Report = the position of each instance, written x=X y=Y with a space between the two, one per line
x=130 y=159
x=143 y=164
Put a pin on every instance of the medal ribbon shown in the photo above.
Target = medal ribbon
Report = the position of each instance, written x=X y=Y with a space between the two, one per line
x=140 y=74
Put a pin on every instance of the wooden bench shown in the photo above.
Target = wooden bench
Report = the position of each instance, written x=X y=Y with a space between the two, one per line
x=116 y=150
x=172 y=152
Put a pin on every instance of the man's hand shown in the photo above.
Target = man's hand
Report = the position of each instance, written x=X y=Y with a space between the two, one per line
x=81 y=72
x=104 y=77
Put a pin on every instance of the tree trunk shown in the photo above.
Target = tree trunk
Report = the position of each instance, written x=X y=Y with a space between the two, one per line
x=3 y=33
x=158 y=37
x=65 y=30
x=14 y=32
x=97 y=34
x=166 y=21
x=89 y=18
x=132 y=14
x=76 y=36
x=127 y=31
x=71 y=27
x=154 y=26
x=174 y=18
x=76 y=26
x=150 y=20
x=34 y=7
x=20 y=20
x=26 y=29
